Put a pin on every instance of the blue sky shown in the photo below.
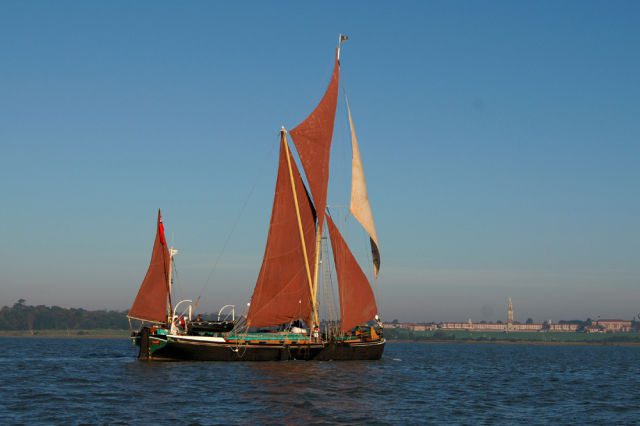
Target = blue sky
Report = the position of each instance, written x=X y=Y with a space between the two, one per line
x=500 y=141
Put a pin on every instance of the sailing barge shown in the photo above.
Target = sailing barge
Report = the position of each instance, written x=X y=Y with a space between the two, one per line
x=285 y=296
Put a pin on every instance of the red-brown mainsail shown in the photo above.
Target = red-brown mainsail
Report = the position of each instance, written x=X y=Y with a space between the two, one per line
x=282 y=293
x=312 y=139
x=152 y=302
x=357 y=302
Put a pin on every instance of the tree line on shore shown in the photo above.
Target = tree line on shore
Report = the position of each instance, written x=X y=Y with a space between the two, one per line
x=21 y=316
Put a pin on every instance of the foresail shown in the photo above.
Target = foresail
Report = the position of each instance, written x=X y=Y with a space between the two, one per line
x=360 y=207
x=282 y=291
x=357 y=302
x=312 y=139
x=151 y=302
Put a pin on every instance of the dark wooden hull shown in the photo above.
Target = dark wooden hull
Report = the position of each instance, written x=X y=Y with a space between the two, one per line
x=153 y=349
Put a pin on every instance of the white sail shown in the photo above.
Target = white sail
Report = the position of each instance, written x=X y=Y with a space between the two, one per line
x=360 y=207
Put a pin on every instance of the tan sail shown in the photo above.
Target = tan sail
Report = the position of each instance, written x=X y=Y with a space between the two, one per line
x=153 y=300
x=357 y=302
x=282 y=292
x=360 y=207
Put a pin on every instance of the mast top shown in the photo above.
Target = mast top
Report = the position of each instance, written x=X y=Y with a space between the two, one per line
x=341 y=39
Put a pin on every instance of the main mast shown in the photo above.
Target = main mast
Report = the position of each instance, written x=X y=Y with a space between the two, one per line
x=314 y=285
x=314 y=304
x=314 y=289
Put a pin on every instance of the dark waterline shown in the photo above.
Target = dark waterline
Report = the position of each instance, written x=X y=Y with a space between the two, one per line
x=98 y=381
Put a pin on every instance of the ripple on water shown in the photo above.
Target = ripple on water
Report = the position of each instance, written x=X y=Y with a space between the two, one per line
x=59 y=381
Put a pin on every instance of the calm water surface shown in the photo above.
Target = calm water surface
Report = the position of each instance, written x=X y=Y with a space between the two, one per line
x=83 y=381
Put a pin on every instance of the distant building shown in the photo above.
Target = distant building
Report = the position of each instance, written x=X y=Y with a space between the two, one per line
x=510 y=326
x=490 y=326
x=562 y=327
x=612 y=325
x=410 y=326
x=472 y=326
x=420 y=327
x=599 y=326
x=526 y=327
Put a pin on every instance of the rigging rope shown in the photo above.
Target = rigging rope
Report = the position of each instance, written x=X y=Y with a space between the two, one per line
x=174 y=271
x=231 y=231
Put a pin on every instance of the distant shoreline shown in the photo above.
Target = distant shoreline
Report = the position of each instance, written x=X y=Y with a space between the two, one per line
x=68 y=334
x=516 y=342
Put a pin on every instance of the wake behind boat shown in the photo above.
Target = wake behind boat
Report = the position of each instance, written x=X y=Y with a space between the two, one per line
x=283 y=321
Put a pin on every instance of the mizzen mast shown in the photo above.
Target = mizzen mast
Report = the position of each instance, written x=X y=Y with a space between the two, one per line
x=154 y=294
x=172 y=252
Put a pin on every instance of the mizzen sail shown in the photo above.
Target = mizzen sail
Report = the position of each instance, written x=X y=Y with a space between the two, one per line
x=360 y=207
x=357 y=302
x=152 y=301
x=282 y=292
x=312 y=139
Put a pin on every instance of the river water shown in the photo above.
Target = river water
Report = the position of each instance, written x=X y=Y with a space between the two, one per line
x=99 y=381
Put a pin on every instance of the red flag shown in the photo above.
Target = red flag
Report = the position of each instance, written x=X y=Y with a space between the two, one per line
x=161 y=230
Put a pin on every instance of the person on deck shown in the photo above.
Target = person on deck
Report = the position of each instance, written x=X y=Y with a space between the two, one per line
x=378 y=322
